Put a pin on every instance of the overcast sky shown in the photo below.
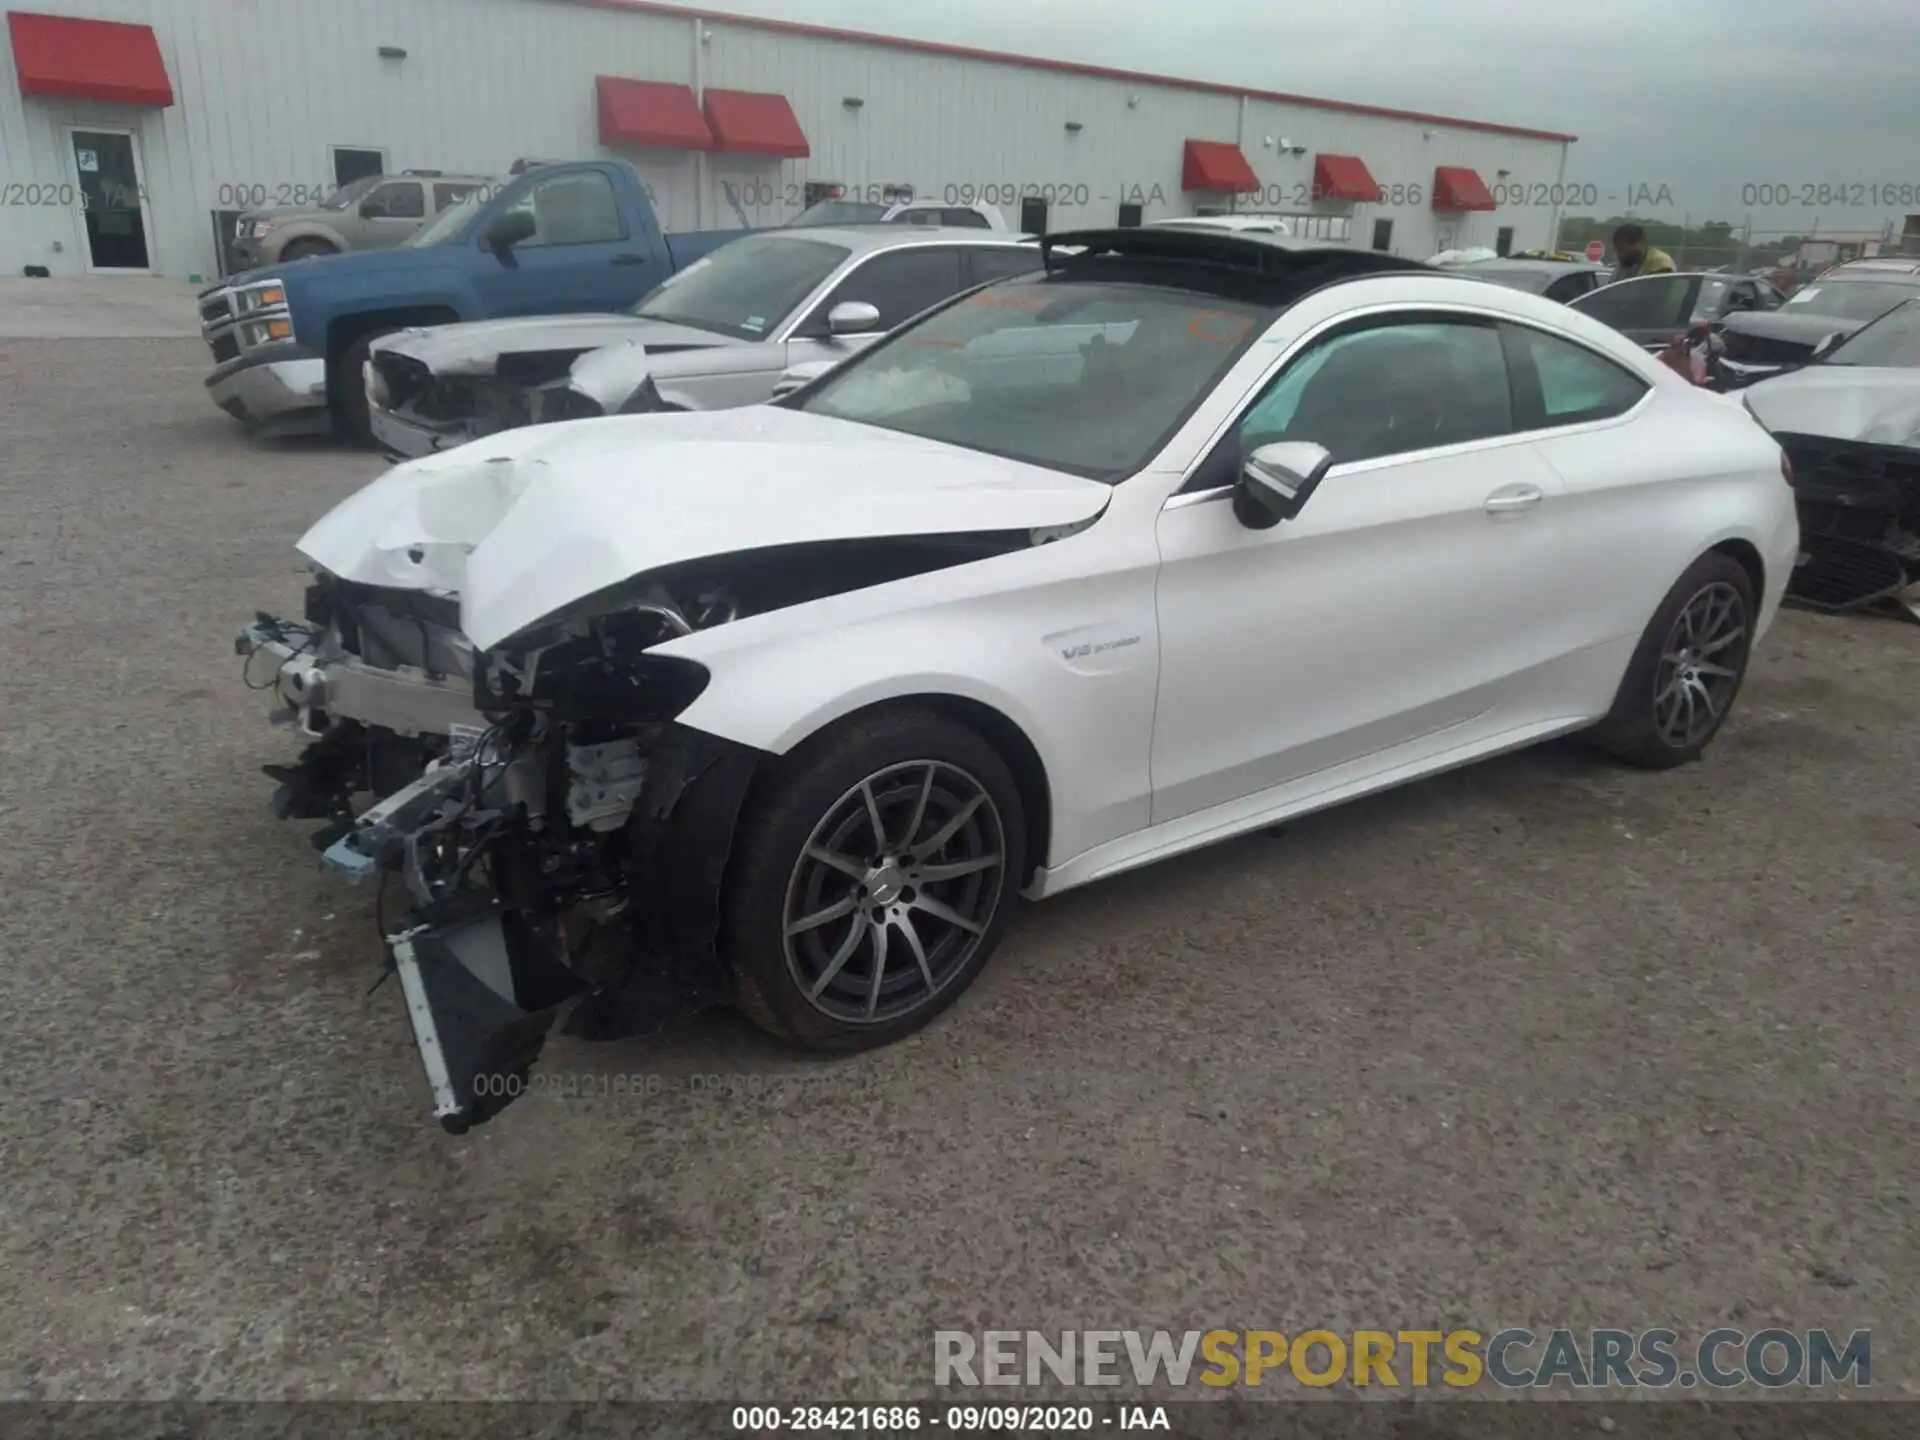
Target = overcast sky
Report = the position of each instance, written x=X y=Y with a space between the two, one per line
x=1703 y=96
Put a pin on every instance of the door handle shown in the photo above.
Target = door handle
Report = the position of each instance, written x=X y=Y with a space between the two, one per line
x=630 y=258
x=1514 y=499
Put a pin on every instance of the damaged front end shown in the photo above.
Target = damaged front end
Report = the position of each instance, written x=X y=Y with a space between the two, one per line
x=561 y=844
x=1859 y=509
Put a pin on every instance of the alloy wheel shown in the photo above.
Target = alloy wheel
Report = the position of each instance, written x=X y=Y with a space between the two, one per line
x=894 y=891
x=1700 y=665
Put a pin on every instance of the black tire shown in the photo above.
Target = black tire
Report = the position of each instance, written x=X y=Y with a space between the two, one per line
x=1673 y=699
x=347 y=389
x=923 y=769
x=308 y=249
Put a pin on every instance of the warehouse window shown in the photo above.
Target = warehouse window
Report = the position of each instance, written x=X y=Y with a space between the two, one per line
x=350 y=164
x=1131 y=215
x=1033 y=215
x=1383 y=234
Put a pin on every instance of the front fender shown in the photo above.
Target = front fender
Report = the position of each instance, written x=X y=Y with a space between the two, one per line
x=1061 y=640
x=320 y=301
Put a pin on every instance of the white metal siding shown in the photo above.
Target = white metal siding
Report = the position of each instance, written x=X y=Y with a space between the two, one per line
x=265 y=88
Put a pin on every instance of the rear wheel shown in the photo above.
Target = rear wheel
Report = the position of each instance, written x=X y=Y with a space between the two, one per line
x=874 y=879
x=1687 y=669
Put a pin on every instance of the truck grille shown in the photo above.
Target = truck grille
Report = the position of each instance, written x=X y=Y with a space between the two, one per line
x=225 y=348
x=216 y=311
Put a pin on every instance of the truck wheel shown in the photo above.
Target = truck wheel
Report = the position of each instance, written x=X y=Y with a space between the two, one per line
x=307 y=249
x=347 y=388
x=873 y=877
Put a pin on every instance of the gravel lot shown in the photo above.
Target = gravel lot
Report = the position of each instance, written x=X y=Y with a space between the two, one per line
x=1547 y=1042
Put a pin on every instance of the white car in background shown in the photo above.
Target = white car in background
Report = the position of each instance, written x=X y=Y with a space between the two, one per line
x=717 y=334
x=783 y=706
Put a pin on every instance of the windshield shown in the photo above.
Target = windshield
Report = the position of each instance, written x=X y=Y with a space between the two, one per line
x=840 y=212
x=746 y=288
x=1847 y=299
x=348 y=193
x=1076 y=375
x=1892 y=341
x=452 y=220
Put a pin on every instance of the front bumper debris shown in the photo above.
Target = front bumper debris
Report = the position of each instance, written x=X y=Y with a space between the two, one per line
x=553 y=867
x=483 y=994
x=318 y=683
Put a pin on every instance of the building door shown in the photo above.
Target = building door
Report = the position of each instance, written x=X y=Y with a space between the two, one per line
x=113 y=200
x=1033 y=216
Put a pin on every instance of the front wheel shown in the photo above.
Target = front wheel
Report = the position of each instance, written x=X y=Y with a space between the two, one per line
x=874 y=877
x=347 y=389
x=1687 y=669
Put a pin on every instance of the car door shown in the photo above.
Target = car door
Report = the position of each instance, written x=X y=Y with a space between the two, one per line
x=1650 y=310
x=389 y=213
x=898 y=283
x=581 y=256
x=1398 y=609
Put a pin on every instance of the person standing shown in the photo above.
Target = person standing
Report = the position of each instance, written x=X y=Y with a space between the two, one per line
x=1633 y=257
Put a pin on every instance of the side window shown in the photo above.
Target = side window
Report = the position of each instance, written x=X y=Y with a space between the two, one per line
x=1387 y=390
x=899 y=284
x=402 y=200
x=1000 y=261
x=964 y=218
x=1576 y=385
x=452 y=193
x=577 y=209
x=1570 y=287
x=1657 y=302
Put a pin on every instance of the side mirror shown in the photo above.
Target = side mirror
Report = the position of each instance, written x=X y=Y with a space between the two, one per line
x=1277 y=480
x=853 y=317
x=508 y=230
x=1826 y=344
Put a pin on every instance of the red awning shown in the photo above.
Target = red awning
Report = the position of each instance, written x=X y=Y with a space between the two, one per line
x=1455 y=187
x=646 y=112
x=88 y=59
x=748 y=122
x=1343 y=177
x=1216 y=165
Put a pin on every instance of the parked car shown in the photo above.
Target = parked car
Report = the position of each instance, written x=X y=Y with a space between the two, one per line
x=782 y=706
x=1655 y=310
x=1561 y=280
x=374 y=213
x=1850 y=422
x=1766 y=343
x=719 y=333
x=839 y=212
x=290 y=345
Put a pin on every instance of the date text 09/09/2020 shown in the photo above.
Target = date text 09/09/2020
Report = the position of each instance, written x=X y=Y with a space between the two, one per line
x=957 y=1419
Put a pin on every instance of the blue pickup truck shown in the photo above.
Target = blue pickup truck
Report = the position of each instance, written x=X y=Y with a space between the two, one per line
x=289 y=341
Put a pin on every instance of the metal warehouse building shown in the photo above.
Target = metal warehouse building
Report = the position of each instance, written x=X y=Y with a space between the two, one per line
x=131 y=131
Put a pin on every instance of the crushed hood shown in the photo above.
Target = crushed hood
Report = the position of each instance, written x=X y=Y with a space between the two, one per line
x=1842 y=402
x=524 y=523
x=1792 y=327
x=476 y=347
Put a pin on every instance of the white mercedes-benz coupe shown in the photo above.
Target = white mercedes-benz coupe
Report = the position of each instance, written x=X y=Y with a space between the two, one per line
x=1180 y=536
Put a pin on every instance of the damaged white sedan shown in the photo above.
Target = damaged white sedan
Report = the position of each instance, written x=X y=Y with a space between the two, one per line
x=782 y=707
x=718 y=334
